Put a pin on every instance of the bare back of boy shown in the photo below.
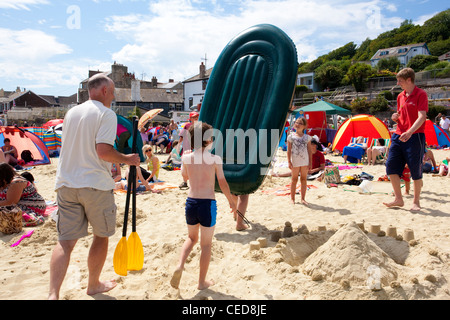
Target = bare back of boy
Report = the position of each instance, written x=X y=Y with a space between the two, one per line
x=201 y=167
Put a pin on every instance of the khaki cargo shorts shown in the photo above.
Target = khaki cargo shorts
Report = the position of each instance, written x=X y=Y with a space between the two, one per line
x=77 y=208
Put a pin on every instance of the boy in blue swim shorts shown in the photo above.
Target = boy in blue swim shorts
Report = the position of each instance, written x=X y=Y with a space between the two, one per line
x=201 y=168
x=408 y=141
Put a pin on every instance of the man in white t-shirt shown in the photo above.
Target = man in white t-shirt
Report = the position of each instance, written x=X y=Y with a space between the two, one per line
x=84 y=184
x=445 y=124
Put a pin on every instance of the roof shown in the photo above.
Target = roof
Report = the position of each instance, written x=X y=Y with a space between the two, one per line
x=396 y=51
x=150 y=95
x=197 y=77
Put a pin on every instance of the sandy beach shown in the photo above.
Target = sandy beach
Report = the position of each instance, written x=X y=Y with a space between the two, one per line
x=342 y=261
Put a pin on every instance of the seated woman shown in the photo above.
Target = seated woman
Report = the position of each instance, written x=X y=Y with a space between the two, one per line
x=354 y=151
x=318 y=160
x=429 y=163
x=10 y=152
x=162 y=141
x=16 y=190
x=376 y=150
x=153 y=164
x=174 y=157
x=141 y=183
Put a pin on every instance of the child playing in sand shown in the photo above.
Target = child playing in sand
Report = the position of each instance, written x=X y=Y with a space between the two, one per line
x=299 y=156
x=201 y=168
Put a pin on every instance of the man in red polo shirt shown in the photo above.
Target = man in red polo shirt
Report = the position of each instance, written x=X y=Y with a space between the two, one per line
x=408 y=141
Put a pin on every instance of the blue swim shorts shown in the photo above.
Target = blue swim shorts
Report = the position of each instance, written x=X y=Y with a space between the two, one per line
x=203 y=211
x=410 y=152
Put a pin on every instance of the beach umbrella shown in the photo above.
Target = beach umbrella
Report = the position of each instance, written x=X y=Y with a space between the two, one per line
x=328 y=107
x=52 y=123
x=435 y=135
x=361 y=125
x=149 y=115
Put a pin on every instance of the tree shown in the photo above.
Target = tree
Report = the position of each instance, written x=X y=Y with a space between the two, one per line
x=421 y=61
x=357 y=74
x=437 y=28
x=391 y=64
x=329 y=76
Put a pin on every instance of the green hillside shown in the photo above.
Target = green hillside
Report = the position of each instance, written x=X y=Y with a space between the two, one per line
x=338 y=68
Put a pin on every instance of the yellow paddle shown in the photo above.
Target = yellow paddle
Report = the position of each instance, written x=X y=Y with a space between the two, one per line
x=135 y=249
x=120 y=259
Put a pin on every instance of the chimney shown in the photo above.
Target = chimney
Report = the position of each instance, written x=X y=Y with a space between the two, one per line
x=171 y=81
x=154 y=82
x=202 y=71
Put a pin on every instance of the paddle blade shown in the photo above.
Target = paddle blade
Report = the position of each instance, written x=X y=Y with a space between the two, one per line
x=120 y=259
x=135 y=252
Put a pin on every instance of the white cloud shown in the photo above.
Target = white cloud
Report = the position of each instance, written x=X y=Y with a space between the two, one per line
x=20 y=4
x=175 y=34
x=29 y=46
x=27 y=58
x=421 y=20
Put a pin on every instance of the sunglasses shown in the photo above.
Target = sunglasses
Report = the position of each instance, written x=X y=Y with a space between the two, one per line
x=148 y=151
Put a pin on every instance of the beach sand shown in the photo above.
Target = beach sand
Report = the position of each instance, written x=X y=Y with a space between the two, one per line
x=342 y=262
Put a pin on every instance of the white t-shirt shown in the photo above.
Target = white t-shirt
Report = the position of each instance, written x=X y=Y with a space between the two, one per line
x=445 y=124
x=79 y=166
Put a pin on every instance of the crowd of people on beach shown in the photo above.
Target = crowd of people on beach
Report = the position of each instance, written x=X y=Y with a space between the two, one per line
x=90 y=167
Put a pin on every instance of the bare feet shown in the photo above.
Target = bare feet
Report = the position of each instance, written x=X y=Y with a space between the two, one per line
x=102 y=287
x=305 y=203
x=176 y=277
x=205 y=285
x=395 y=203
x=241 y=227
x=416 y=207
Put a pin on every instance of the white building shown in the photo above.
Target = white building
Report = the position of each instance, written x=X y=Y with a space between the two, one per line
x=195 y=87
x=403 y=53
x=307 y=79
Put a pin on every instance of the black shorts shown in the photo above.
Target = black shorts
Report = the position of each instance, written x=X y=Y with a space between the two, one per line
x=201 y=211
x=410 y=152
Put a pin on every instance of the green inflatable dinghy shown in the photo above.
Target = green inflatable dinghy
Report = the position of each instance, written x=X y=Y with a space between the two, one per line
x=247 y=100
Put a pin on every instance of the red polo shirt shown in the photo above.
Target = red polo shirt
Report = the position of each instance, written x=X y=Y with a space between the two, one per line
x=408 y=108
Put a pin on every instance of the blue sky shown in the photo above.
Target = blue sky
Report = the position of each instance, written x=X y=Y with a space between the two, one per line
x=49 y=46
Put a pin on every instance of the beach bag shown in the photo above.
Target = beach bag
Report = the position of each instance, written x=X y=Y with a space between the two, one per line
x=10 y=219
x=331 y=175
x=26 y=156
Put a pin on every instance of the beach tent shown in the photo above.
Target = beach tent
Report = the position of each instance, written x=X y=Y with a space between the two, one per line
x=129 y=125
x=328 y=107
x=435 y=135
x=361 y=125
x=24 y=140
